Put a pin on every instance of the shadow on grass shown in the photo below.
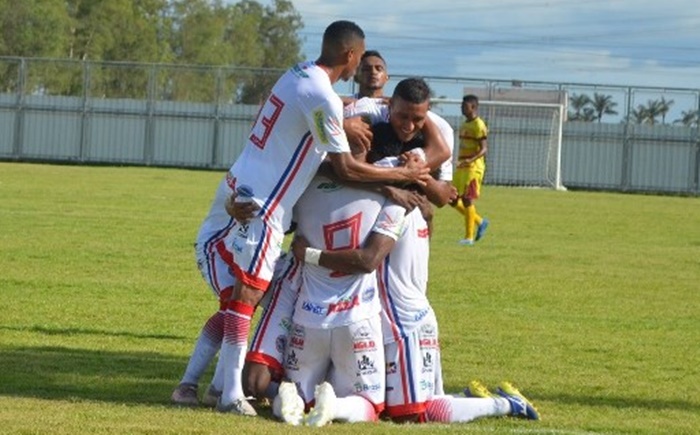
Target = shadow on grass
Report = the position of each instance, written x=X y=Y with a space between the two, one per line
x=67 y=373
x=62 y=373
x=85 y=331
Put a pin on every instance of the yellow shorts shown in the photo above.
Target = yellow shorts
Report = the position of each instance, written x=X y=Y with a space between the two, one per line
x=468 y=181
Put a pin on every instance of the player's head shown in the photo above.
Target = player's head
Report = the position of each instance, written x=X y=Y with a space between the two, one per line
x=470 y=106
x=343 y=46
x=409 y=106
x=372 y=74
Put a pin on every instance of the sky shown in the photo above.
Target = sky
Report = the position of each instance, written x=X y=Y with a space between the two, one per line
x=605 y=42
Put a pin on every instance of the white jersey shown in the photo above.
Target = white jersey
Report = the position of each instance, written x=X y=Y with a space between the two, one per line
x=299 y=123
x=375 y=110
x=217 y=220
x=403 y=280
x=332 y=216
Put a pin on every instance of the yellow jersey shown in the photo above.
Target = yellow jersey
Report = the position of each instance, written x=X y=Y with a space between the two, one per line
x=470 y=133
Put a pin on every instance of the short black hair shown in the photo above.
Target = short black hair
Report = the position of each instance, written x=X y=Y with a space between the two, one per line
x=414 y=90
x=470 y=98
x=372 y=53
x=342 y=33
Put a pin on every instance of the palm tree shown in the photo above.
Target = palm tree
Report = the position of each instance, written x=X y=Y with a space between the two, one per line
x=664 y=107
x=654 y=109
x=578 y=103
x=640 y=114
x=688 y=118
x=603 y=105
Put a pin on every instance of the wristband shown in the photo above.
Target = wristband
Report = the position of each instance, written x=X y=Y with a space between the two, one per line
x=312 y=255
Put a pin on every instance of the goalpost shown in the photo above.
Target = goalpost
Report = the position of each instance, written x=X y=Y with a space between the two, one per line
x=524 y=142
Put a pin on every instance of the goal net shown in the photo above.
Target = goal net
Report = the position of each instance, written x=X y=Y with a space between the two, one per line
x=524 y=142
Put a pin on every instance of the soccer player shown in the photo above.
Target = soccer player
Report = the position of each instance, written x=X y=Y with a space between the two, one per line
x=414 y=380
x=371 y=75
x=471 y=165
x=298 y=125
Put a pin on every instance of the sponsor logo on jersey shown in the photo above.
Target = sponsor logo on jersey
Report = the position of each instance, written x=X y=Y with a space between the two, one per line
x=423 y=233
x=281 y=343
x=242 y=230
x=328 y=186
x=365 y=366
x=428 y=343
x=427 y=363
x=343 y=305
x=426 y=385
x=368 y=294
x=313 y=308
x=296 y=342
x=292 y=362
x=286 y=324
x=298 y=71
x=364 y=388
x=361 y=332
x=422 y=313
x=391 y=368
x=319 y=123
x=364 y=346
x=428 y=330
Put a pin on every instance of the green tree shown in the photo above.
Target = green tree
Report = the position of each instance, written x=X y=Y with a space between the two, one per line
x=654 y=109
x=123 y=31
x=664 y=107
x=603 y=105
x=578 y=103
x=278 y=27
x=640 y=115
x=32 y=28
x=689 y=118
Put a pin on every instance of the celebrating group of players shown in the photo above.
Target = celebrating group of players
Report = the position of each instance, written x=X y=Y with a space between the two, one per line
x=347 y=332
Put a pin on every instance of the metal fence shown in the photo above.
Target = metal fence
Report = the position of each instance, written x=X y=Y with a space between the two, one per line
x=198 y=117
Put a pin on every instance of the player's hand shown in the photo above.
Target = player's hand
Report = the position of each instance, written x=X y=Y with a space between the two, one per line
x=243 y=212
x=298 y=247
x=416 y=170
x=407 y=199
x=358 y=132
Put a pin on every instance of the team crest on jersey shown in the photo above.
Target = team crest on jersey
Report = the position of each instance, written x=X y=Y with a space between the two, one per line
x=368 y=294
x=391 y=368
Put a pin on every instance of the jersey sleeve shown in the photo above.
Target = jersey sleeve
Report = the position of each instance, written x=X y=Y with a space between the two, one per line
x=326 y=125
x=483 y=131
x=390 y=221
x=374 y=110
x=448 y=134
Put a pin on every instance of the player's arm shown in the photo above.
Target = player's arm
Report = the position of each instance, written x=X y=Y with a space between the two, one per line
x=439 y=192
x=348 y=168
x=358 y=132
x=483 y=149
x=436 y=148
x=354 y=261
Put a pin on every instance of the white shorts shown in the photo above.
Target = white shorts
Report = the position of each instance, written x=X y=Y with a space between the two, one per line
x=214 y=269
x=255 y=248
x=270 y=339
x=355 y=352
x=413 y=370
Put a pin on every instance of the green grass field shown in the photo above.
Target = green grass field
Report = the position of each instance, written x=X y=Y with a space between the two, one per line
x=589 y=302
